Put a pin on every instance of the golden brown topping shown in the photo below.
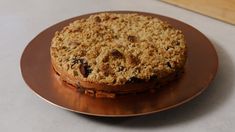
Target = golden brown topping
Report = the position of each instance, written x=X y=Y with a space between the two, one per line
x=77 y=30
x=132 y=60
x=114 y=18
x=75 y=73
x=106 y=18
x=131 y=38
x=112 y=48
x=106 y=69
x=60 y=39
x=106 y=58
x=116 y=54
x=120 y=68
x=97 y=19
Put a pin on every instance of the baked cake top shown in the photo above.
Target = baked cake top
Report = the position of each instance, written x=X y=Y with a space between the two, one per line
x=114 y=48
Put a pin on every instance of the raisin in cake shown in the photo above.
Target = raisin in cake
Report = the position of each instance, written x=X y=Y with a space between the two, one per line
x=111 y=53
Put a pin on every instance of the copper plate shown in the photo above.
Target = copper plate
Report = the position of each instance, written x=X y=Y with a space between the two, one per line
x=200 y=70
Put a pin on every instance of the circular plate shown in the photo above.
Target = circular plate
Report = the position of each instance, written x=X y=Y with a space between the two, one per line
x=200 y=69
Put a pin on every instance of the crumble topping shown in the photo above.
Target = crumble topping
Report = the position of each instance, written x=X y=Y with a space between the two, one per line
x=114 y=48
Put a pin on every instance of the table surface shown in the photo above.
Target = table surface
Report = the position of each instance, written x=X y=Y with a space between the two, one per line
x=22 y=110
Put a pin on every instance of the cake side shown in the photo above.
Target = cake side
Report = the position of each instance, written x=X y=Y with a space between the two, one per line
x=110 y=91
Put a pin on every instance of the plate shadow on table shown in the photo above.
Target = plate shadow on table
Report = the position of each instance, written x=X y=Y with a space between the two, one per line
x=211 y=100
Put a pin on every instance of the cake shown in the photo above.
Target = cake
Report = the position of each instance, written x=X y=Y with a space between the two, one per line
x=107 y=54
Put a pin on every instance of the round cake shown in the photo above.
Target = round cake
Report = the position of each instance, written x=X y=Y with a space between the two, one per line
x=111 y=53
